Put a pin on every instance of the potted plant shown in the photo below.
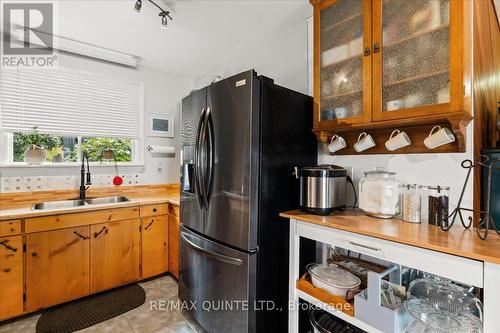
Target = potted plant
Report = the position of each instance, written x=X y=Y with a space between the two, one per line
x=55 y=154
x=35 y=145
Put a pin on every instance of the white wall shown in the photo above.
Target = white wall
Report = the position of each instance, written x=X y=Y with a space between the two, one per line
x=162 y=94
x=282 y=57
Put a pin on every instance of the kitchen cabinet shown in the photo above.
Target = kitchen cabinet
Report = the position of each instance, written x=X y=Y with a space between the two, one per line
x=154 y=245
x=173 y=245
x=11 y=276
x=386 y=64
x=75 y=254
x=114 y=254
x=57 y=266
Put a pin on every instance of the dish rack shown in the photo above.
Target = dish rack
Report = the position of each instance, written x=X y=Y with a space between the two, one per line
x=369 y=308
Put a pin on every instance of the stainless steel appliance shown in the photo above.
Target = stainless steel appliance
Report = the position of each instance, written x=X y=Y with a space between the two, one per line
x=322 y=189
x=240 y=138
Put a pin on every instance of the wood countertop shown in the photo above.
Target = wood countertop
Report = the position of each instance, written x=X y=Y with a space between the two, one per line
x=458 y=241
x=139 y=195
x=22 y=213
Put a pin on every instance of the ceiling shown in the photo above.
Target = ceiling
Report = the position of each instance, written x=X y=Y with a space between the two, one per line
x=202 y=35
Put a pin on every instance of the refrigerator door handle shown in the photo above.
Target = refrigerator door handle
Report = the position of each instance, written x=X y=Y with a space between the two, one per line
x=213 y=254
x=197 y=165
x=211 y=154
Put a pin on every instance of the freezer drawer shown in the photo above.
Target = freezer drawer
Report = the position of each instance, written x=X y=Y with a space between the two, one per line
x=219 y=282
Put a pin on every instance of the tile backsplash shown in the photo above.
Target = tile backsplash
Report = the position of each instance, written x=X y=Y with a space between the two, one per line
x=44 y=183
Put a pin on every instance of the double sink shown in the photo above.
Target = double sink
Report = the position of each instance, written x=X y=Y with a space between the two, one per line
x=72 y=203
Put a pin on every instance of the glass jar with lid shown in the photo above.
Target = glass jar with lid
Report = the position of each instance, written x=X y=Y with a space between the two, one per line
x=411 y=204
x=438 y=205
x=379 y=193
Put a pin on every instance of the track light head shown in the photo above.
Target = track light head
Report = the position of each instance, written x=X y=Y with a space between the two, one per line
x=138 y=6
x=164 y=18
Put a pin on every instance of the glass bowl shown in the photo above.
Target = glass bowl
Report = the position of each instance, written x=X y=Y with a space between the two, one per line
x=443 y=306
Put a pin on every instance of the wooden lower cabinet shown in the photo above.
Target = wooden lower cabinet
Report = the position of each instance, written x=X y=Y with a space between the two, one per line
x=114 y=254
x=57 y=266
x=154 y=245
x=11 y=276
x=173 y=245
x=66 y=259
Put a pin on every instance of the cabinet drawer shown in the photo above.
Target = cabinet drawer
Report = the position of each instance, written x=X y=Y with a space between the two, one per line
x=10 y=228
x=173 y=210
x=460 y=269
x=154 y=210
x=52 y=222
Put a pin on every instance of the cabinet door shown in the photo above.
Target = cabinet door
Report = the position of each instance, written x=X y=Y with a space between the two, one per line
x=11 y=276
x=418 y=64
x=114 y=254
x=342 y=76
x=154 y=246
x=57 y=266
x=173 y=245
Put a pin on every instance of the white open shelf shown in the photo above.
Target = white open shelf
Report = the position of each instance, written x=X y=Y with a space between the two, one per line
x=339 y=314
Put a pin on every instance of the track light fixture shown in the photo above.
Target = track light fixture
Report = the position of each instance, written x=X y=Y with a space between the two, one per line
x=164 y=14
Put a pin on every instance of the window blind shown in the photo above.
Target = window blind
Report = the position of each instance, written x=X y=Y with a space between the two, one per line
x=66 y=102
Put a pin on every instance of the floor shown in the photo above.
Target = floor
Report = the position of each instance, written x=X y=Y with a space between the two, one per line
x=151 y=317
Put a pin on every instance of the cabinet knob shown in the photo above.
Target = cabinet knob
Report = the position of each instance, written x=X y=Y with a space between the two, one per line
x=376 y=47
x=154 y=210
x=34 y=254
x=367 y=51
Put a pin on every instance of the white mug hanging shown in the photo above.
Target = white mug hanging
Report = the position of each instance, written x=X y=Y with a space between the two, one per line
x=438 y=136
x=365 y=141
x=397 y=140
x=336 y=143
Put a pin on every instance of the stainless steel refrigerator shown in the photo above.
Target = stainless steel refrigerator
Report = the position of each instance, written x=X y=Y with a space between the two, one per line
x=240 y=139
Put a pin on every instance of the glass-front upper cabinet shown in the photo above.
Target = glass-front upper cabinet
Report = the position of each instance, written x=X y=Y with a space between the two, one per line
x=342 y=77
x=416 y=57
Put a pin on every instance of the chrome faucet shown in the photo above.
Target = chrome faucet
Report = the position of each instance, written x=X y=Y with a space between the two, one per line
x=84 y=182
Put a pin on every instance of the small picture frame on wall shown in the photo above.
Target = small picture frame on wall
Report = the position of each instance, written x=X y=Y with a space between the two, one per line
x=161 y=125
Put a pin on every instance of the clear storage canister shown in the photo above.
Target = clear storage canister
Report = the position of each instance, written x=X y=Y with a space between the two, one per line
x=411 y=203
x=379 y=193
x=438 y=205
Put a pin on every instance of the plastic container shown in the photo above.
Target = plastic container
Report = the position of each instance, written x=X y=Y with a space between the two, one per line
x=379 y=193
x=333 y=279
x=411 y=203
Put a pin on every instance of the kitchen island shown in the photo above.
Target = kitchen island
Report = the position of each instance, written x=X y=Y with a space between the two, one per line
x=458 y=255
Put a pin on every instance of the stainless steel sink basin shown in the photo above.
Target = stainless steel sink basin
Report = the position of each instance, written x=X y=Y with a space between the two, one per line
x=106 y=200
x=48 y=205
x=58 y=204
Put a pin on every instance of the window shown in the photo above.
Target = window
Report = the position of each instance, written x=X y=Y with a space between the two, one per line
x=73 y=112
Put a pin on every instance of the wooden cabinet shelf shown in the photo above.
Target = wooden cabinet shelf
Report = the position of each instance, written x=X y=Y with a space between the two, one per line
x=416 y=35
x=344 y=21
x=422 y=76
x=412 y=76
x=343 y=62
x=348 y=93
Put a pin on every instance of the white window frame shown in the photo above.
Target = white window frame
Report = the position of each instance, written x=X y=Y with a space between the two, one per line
x=7 y=155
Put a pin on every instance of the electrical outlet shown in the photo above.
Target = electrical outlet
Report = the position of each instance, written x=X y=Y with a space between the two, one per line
x=350 y=171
